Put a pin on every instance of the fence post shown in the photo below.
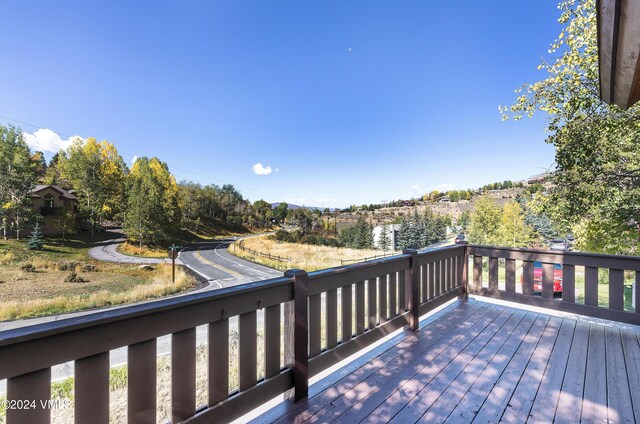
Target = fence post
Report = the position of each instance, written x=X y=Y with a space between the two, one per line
x=297 y=342
x=464 y=294
x=412 y=288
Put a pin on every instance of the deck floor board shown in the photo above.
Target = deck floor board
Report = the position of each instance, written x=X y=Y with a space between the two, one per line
x=481 y=362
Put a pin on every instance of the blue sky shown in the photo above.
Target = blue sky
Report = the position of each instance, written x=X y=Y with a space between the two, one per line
x=345 y=101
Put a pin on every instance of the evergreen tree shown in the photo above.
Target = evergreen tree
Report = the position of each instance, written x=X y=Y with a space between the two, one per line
x=358 y=236
x=36 y=241
x=384 y=242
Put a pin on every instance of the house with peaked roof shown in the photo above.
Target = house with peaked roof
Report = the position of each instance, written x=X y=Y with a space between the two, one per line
x=50 y=201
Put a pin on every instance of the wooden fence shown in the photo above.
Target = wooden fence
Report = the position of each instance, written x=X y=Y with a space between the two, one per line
x=367 y=258
x=241 y=246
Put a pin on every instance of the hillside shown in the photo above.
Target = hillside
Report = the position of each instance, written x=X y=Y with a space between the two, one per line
x=454 y=209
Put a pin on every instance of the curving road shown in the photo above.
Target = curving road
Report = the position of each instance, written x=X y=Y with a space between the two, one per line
x=212 y=261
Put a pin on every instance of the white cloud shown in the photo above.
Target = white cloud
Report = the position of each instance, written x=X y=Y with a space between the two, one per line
x=261 y=170
x=444 y=187
x=416 y=190
x=134 y=159
x=45 y=140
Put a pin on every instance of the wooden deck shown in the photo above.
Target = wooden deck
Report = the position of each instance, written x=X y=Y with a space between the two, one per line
x=480 y=362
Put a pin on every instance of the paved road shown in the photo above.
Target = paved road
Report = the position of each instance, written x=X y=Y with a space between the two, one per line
x=213 y=261
x=107 y=251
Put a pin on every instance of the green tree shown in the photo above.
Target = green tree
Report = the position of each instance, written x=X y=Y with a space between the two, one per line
x=357 y=236
x=485 y=221
x=97 y=172
x=153 y=213
x=303 y=218
x=280 y=212
x=384 y=241
x=464 y=220
x=262 y=214
x=597 y=179
x=65 y=223
x=514 y=232
x=17 y=179
x=36 y=241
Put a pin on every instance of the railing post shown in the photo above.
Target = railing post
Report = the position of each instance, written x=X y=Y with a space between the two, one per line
x=297 y=344
x=465 y=274
x=412 y=288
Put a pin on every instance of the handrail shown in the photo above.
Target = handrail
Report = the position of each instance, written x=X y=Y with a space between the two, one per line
x=551 y=281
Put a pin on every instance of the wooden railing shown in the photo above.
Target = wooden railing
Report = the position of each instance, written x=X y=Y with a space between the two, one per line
x=597 y=289
x=309 y=323
x=301 y=337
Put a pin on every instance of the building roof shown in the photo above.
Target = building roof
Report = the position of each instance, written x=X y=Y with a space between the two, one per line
x=619 y=51
x=67 y=194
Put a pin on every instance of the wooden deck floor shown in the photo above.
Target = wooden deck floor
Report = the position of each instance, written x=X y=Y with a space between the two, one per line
x=486 y=363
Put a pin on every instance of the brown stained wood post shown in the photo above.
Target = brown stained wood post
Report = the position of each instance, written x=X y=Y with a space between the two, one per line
x=300 y=334
x=412 y=289
x=31 y=389
x=464 y=294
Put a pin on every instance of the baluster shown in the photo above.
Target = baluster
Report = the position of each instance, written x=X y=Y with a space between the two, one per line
x=347 y=311
x=34 y=386
x=510 y=275
x=141 y=382
x=493 y=275
x=393 y=301
x=477 y=272
x=332 y=318
x=360 y=318
x=315 y=326
x=272 y=341
x=183 y=374
x=569 y=283
x=547 y=280
x=591 y=285
x=91 y=383
x=383 y=305
x=527 y=277
x=616 y=289
x=372 y=302
x=218 y=361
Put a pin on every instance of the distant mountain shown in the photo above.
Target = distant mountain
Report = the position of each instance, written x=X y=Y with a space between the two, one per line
x=292 y=206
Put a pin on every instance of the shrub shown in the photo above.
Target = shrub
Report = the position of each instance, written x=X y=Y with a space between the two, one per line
x=89 y=268
x=67 y=266
x=74 y=277
x=283 y=235
x=28 y=268
x=7 y=258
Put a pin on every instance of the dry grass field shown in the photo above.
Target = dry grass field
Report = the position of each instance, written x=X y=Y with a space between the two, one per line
x=303 y=256
x=62 y=278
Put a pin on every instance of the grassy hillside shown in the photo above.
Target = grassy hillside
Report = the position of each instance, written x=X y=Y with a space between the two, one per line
x=62 y=278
